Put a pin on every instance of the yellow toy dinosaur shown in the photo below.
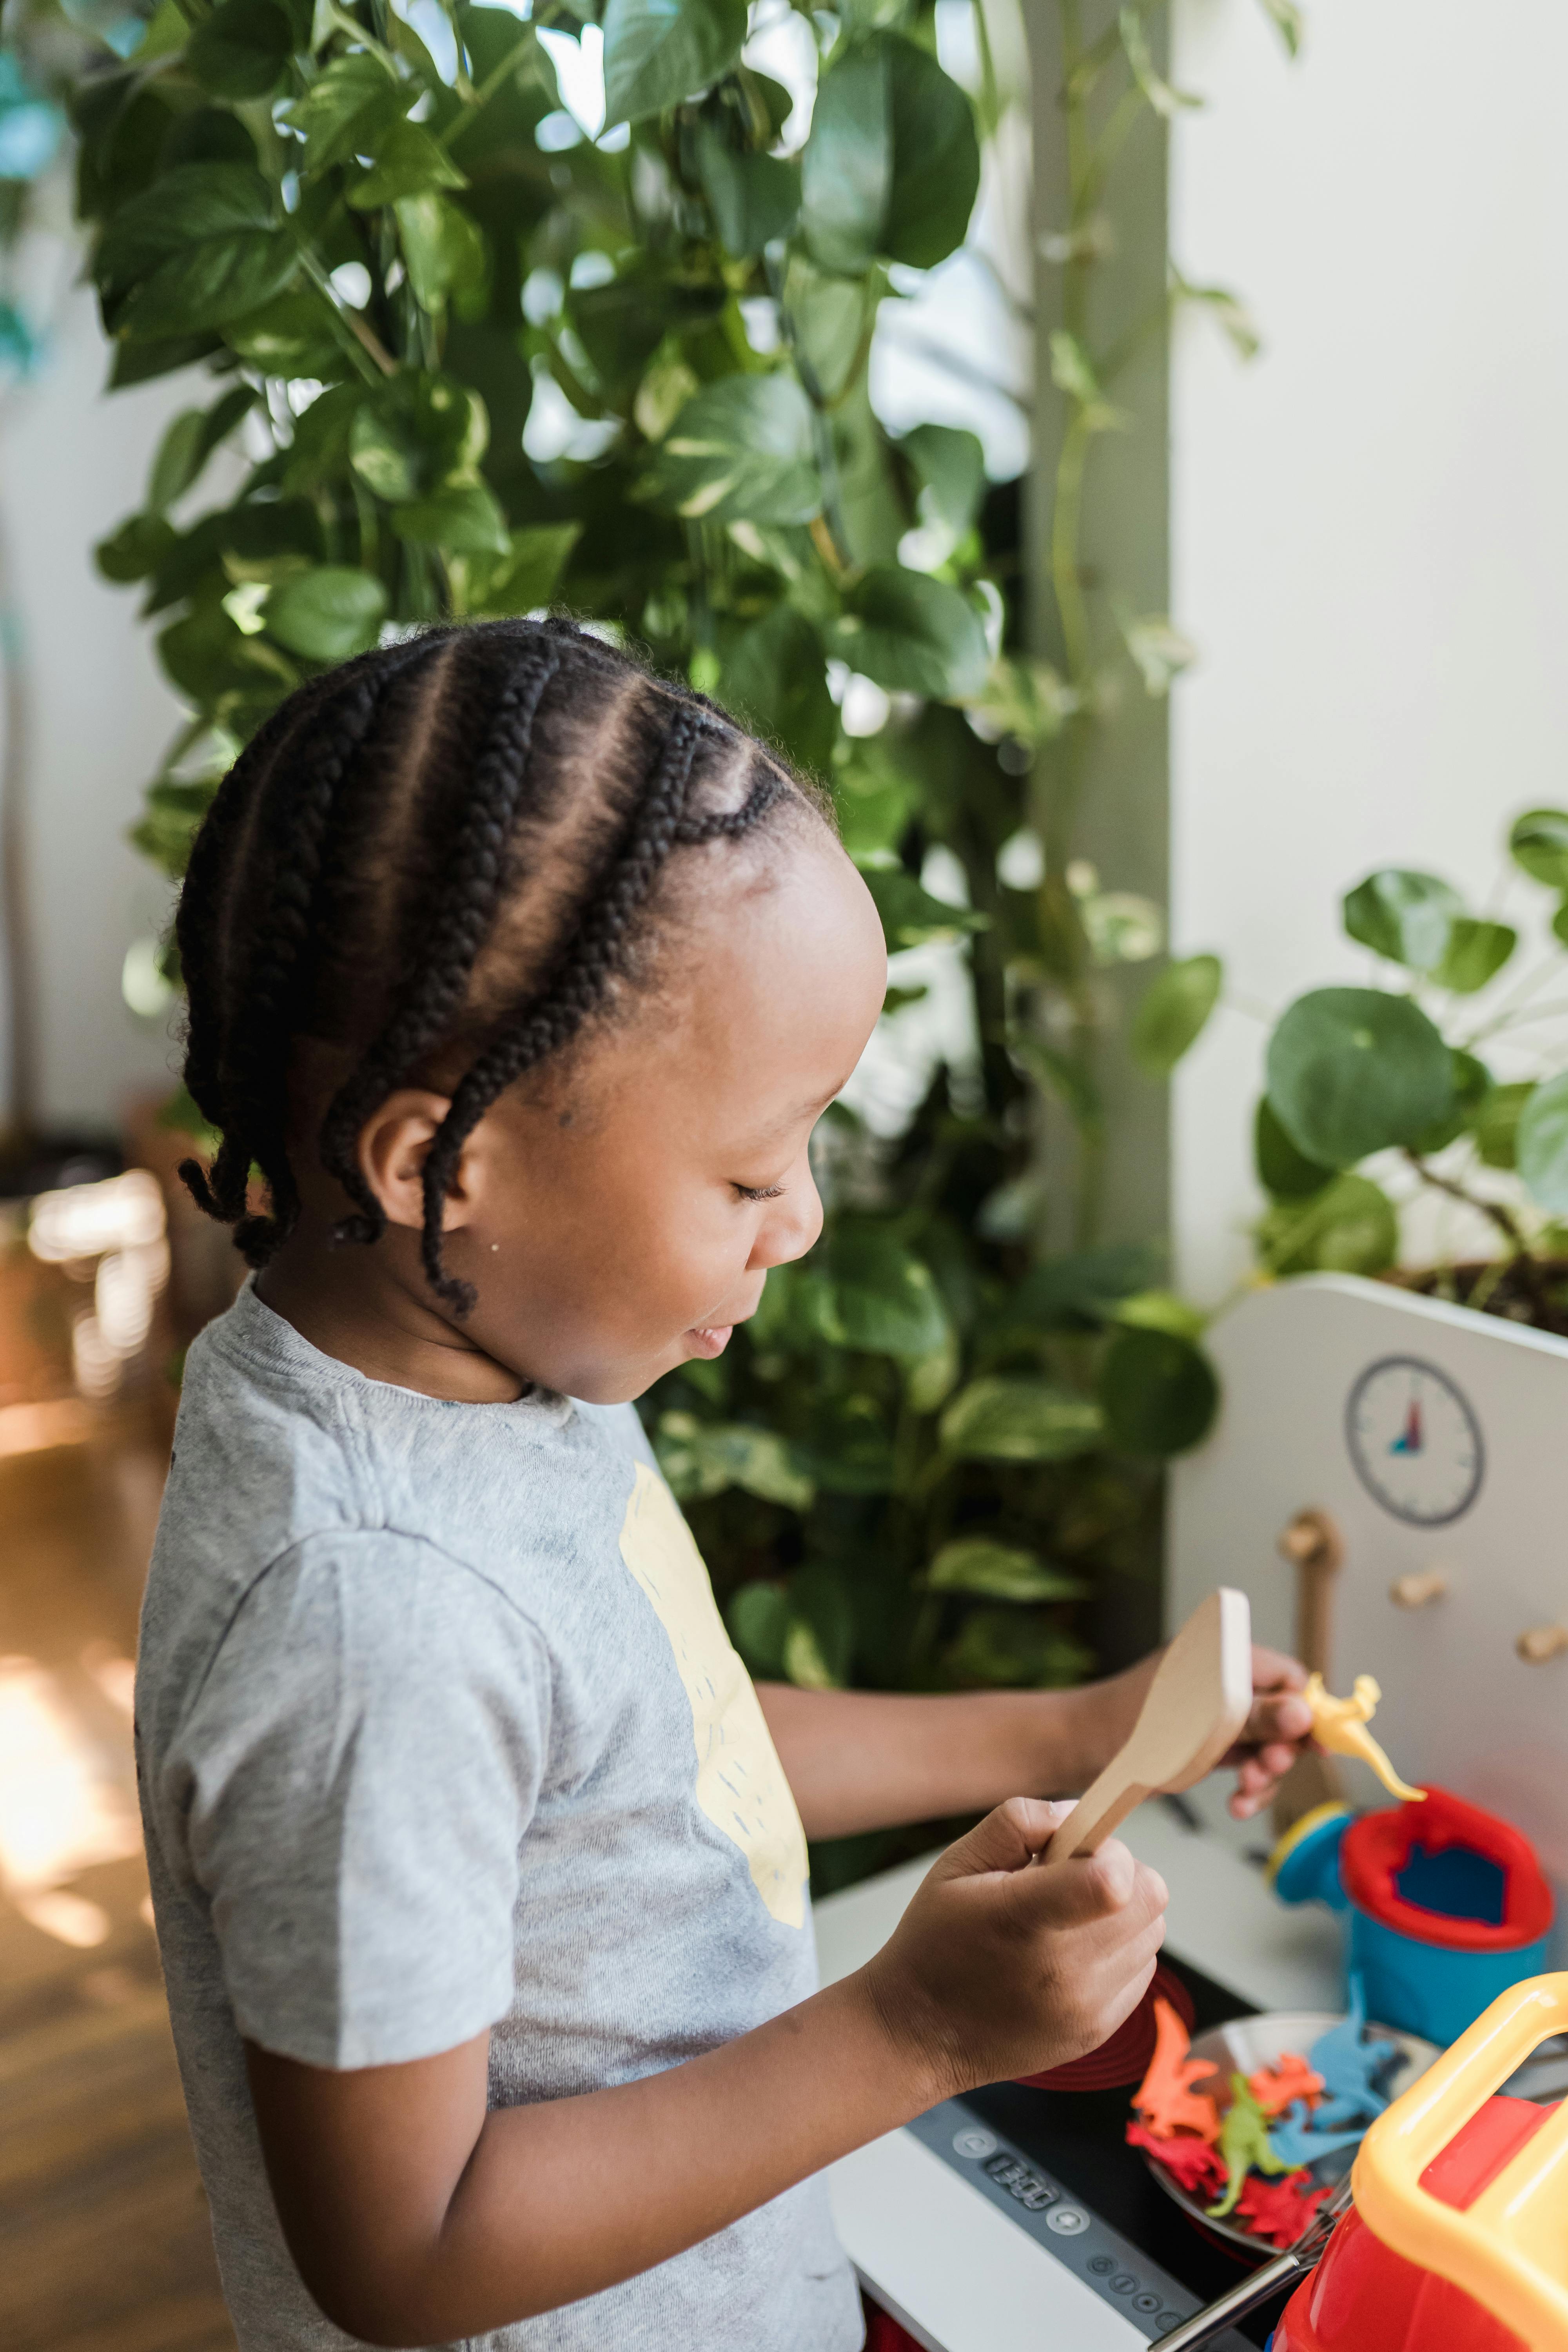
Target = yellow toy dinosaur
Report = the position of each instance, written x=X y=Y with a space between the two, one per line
x=1340 y=1725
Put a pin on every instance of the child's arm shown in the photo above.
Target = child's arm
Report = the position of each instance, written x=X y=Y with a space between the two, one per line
x=417 y=2217
x=859 y=1760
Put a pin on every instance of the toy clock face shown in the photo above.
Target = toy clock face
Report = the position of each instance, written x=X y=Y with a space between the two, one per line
x=1415 y=1440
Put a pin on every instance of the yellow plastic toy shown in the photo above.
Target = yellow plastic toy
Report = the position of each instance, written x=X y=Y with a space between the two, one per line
x=1340 y=1725
x=1509 y=2248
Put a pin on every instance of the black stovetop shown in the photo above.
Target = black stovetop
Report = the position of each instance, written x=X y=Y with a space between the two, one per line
x=1080 y=2137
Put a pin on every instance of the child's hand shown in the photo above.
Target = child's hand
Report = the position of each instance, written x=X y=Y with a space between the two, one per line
x=1000 y=1968
x=1275 y=1734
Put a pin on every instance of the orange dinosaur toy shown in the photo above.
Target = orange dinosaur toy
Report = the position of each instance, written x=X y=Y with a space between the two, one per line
x=1275 y=2088
x=1165 y=2098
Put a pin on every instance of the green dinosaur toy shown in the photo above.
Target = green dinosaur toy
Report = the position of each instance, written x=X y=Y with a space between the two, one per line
x=1242 y=2143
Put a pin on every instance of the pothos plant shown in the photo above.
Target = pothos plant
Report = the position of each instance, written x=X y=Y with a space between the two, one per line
x=1377 y=1097
x=389 y=250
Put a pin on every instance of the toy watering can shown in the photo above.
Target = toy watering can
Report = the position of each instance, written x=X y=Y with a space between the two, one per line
x=1452 y=2230
x=1448 y=1905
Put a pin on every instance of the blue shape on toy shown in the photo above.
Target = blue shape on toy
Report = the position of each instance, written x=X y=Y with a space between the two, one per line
x=1429 y=1989
x=1309 y=1869
x=1457 y=1883
x=1295 y=2143
x=1350 y=2066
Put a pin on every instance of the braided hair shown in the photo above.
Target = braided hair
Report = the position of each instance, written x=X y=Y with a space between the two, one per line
x=452 y=844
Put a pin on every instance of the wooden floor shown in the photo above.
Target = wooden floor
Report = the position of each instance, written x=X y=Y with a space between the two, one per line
x=104 y=2239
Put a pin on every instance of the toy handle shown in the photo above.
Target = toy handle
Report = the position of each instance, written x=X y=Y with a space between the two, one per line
x=1506 y=2248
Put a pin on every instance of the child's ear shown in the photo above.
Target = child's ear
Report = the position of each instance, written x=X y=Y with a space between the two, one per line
x=394 y=1145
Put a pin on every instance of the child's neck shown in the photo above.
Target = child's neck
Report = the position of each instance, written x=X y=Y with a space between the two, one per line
x=365 y=1307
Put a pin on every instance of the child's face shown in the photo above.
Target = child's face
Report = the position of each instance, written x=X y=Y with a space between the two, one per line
x=621 y=1222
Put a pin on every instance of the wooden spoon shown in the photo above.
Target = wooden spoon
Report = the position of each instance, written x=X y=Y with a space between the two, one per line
x=1196 y=1704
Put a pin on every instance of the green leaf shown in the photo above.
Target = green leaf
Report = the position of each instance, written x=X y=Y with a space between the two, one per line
x=1000 y=1648
x=1406 y=916
x=775 y=677
x=196 y=249
x=1172 y=1013
x=1350 y=1227
x=1352 y=1070
x=292 y=336
x=1015 y=1420
x=1286 y=19
x=418 y=434
x=658 y=52
x=328 y=614
x=892 y=164
x=409 y=162
x=1158 y=1391
x=911 y=918
x=1496 y=1123
x=754 y=198
x=999 y=1572
x=188 y=441
x=739 y=450
x=464 y=517
x=345 y=108
x=950 y=467
x=1285 y=1173
x=884 y=1299
x=1162 y=1310
x=622 y=324
x=137 y=549
x=524 y=580
x=443 y=249
x=1477 y=952
x=759 y=1619
x=818 y=1646
x=242 y=49
x=911 y=633
x=1472 y=1083
x=1538 y=843
x=702 y=1458
x=1082 y=1290
x=1542 y=1148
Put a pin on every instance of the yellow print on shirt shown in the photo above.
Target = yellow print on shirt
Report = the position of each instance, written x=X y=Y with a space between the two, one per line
x=740 y=1784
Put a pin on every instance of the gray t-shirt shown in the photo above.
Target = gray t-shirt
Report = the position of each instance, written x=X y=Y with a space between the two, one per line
x=438 y=1730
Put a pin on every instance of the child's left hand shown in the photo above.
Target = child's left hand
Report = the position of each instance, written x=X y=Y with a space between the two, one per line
x=1275 y=1734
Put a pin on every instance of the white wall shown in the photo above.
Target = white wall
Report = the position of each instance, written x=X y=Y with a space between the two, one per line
x=72 y=464
x=1370 y=522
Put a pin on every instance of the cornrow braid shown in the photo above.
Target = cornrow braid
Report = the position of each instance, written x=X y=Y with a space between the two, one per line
x=347 y=883
x=461 y=922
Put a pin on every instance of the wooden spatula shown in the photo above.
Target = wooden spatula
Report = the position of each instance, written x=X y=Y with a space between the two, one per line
x=1198 y=1703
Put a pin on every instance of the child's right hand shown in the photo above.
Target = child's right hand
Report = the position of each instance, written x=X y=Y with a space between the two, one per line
x=1000 y=1969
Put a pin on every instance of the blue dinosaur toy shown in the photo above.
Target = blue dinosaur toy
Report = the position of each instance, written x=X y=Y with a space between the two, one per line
x=1295 y=2143
x=1353 y=2068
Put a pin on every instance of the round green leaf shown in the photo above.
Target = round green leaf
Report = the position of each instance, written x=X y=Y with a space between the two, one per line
x=1406 y=916
x=1538 y=843
x=1158 y=1391
x=775 y=677
x=1015 y=1420
x=1350 y=1227
x=883 y=1298
x=196 y=249
x=911 y=916
x=658 y=52
x=1542 y=1145
x=936 y=158
x=241 y=49
x=1285 y=1173
x=327 y=615
x=912 y=635
x=950 y=467
x=1495 y=1124
x=892 y=164
x=1476 y=953
x=740 y=451
x=754 y=198
x=463 y=516
x=999 y=1572
x=1352 y=1070
x=759 y=1620
x=141 y=544
x=1472 y=1083
x=1172 y=1013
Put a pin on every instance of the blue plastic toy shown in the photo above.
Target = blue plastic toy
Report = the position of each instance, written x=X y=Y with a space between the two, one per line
x=1295 y=2143
x=1351 y=2067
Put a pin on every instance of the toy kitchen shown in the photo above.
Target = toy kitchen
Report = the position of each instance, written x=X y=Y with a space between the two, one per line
x=1387 y=1486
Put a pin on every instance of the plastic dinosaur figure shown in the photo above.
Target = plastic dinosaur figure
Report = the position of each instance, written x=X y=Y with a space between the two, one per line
x=1165 y=2098
x=1351 y=2067
x=1244 y=2144
x=1275 y=2088
x=1340 y=1725
x=1193 y=2164
x=1279 y=2211
x=1295 y=2143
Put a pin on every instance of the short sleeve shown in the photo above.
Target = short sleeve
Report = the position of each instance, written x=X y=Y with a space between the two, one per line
x=357 y=1776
